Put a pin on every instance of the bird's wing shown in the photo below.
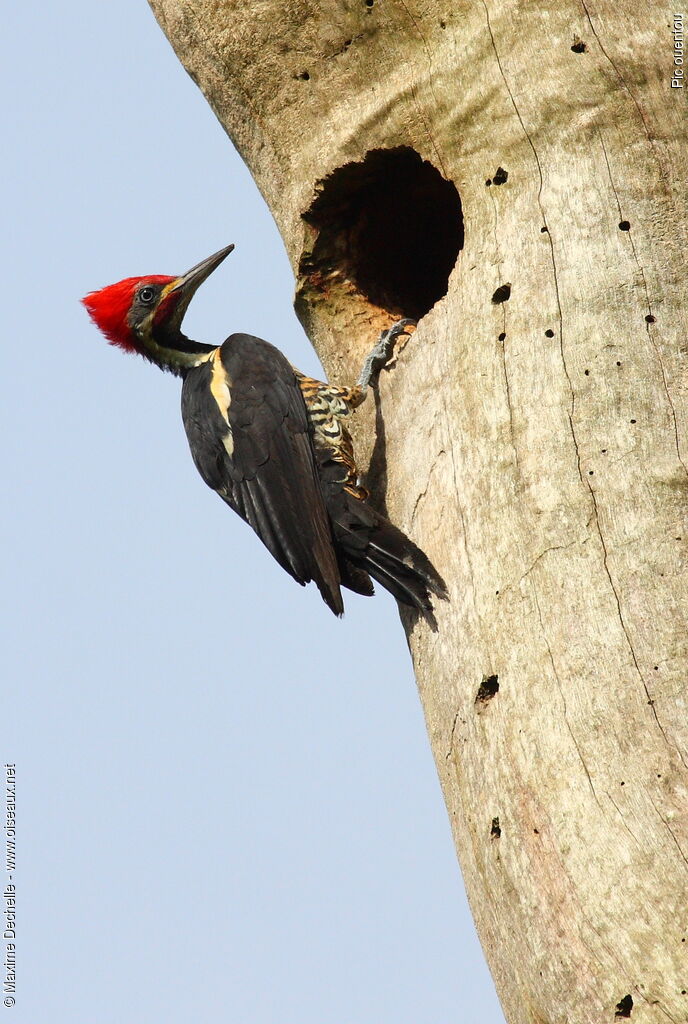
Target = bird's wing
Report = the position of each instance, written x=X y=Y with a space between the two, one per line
x=247 y=426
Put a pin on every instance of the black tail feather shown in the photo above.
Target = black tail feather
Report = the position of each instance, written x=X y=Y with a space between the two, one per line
x=354 y=578
x=409 y=591
x=371 y=543
x=393 y=549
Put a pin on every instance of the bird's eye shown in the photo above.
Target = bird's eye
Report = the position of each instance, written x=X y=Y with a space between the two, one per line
x=146 y=295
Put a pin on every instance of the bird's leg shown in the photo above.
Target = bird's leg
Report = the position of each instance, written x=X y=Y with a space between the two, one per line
x=380 y=355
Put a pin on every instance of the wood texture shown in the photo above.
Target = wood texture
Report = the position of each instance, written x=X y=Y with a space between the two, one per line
x=536 y=448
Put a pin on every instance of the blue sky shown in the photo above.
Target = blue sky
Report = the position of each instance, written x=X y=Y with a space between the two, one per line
x=227 y=805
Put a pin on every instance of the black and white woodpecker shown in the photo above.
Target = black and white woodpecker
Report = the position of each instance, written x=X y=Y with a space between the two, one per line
x=272 y=442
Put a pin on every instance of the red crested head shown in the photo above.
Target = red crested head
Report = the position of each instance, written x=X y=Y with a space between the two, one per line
x=145 y=314
x=110 y=308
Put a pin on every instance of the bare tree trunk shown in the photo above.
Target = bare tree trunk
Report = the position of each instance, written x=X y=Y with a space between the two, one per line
x=532 y=436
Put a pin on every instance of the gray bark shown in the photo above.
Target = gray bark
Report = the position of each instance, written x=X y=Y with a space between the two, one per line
x=536 y=447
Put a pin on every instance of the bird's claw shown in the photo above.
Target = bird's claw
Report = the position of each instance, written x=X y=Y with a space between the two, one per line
x=382 y=353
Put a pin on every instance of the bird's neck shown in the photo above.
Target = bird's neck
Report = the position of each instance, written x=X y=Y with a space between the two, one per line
x=171 y=350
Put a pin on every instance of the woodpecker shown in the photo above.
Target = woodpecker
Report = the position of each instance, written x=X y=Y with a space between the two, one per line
x=272 y=442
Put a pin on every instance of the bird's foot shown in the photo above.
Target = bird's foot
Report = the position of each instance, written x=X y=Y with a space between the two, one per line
x=382 y=353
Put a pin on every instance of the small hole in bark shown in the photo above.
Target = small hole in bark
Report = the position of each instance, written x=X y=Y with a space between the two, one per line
x=578 y=45
x=501 y=337
x=618 y=362
x=536 y=831
x=487 y=689
x=501 y=294
x=488 y=182
x=624 y=1007
x=591 y=472
x=391 y=226
x=632 y=421
x=500 y=176
x=543 y=231
x=624 y=225
x=622 y=783
x=549 y=333
x=649 y=319
x=443 y=24
x=369 y=3
x=587 y=373
x=495 y=830
x=604 y=451
x=304 y=76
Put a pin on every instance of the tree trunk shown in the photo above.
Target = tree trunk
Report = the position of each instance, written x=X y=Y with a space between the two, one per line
x=531 y=436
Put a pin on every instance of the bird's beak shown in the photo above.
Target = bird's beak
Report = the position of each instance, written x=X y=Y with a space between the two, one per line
x=186 y=285
x=176 y=297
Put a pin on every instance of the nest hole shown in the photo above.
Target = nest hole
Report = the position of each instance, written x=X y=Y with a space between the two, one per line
x=391 y=226
x=487 y=689
x=624 y=1007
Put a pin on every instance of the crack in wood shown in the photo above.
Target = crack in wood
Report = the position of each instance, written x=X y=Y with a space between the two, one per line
x=427 y=484
x=563 y=698
x=648 y=323
x=344 y=47
x=572 y=408
x=419 y=106
x=498 y=262
x=669 y=829
x=620 y=77
x=553 y=547
x=460 y=507
x=431 y=83
x=621 y=816
x=451 y=737
x=605 y=562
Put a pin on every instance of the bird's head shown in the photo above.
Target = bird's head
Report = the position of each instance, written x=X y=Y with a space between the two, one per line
x=144 y=314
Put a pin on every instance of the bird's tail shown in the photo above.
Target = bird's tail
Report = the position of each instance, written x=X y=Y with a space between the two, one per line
x=369 y=544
